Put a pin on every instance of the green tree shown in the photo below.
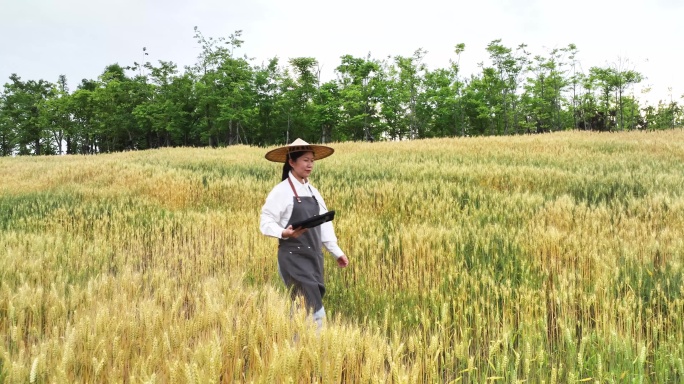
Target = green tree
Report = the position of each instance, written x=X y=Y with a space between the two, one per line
x=301 y=95
x=327 y=110
x=544 y=92
x=482 y=102
x=631 y=111
x=157 y=112
x=170 y=111
x=362 y=86
x=623 y=79
x=458 y=85
x=575 y=80
x=223 y=100
x=23 y=105
x=115 y=100
x=441 y=100
x=206 y=85
x=58 y=118
x=7 y=131
x=409 y=78
x=236 y=92
x=508 y=67
x=267 y=108
x=287 y=104
x=439 y=103
x=392 y=123
x=667 y=115
x=587 y=102
x=180 y=100
x=83 y=110
x=605 y=80
x=224 y=90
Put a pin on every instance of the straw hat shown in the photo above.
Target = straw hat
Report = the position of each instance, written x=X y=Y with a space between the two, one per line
x=279 y=155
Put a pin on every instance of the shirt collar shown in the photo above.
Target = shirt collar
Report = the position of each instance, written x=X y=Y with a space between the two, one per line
x=294 y=179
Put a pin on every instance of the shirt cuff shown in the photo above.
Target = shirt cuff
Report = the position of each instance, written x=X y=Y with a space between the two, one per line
x=274 y=231
x=332 y=247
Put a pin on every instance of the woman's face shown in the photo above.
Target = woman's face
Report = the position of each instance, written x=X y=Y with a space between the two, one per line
x=303 y=166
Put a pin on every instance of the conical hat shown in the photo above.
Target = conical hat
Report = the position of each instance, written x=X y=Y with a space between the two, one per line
x=279 y=155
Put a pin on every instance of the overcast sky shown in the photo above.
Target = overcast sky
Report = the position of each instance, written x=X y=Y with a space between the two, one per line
x=41 y=39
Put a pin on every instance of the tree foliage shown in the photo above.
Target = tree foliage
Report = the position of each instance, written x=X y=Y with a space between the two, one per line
x=226 y=99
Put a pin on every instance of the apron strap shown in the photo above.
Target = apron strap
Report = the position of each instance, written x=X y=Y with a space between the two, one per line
x=293 y=190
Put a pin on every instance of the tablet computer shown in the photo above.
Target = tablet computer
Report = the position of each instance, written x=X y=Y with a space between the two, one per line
x=315 y=220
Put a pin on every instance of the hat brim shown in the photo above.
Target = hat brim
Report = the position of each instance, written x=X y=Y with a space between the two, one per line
x=279 y=155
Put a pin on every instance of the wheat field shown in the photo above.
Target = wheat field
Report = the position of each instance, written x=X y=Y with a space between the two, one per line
x=548 y=258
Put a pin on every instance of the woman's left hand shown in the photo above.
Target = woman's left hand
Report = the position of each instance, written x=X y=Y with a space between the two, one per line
x=342 y=261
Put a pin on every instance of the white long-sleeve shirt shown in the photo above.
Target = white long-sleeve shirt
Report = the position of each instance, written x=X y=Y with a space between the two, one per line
x=277 y=211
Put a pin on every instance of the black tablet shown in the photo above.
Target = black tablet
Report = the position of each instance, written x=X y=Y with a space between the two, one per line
x=314 y=221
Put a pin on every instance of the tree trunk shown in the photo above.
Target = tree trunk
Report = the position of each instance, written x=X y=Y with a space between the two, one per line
x=287 y=134
x=366 y=131
x=515 y=117
x=505 y=112
x=58 y=136
x=622 y=119
x=539 y=118
x=324 y=133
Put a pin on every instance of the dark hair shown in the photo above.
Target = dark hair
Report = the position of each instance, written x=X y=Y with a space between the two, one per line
x=292 y=156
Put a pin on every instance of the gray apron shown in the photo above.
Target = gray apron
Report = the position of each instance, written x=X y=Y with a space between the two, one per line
x=300 y=260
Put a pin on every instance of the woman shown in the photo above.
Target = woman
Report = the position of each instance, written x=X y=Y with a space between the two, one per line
x=300 y=257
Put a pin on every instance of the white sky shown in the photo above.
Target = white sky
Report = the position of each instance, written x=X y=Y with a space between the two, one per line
x=41 y=39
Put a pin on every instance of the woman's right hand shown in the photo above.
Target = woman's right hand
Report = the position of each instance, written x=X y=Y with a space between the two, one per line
x=295 y=233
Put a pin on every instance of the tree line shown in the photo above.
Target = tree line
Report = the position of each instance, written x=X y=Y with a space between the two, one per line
x=224 y=99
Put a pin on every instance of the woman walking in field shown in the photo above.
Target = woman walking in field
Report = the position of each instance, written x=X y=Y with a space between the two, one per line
x=300 y=256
